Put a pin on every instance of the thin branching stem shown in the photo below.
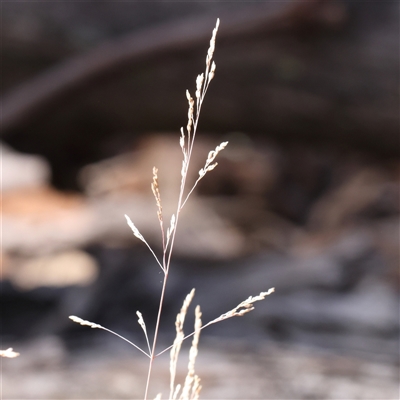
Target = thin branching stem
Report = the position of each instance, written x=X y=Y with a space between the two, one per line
x=242 y=308
x=140 y=237
x=191 y=387
x=186 y=337
x=193 y=120
x=126 y=340
x=93 y=325
x=153 y=348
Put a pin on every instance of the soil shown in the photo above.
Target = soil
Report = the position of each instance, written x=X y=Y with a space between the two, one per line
x=228 y=370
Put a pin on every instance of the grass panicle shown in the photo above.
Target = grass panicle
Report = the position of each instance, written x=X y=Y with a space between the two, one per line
x=190 y=389
x=176 y=347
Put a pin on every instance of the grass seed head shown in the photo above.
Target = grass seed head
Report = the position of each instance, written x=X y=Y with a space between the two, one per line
x=9 y=353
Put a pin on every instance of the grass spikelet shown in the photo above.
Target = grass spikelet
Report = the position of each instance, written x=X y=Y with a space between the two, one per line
x=171 y=227
x=143 y=326
x=210 y=158
x=196 y=388
x=139 y=236
x=182 y=143
x=92 y=325
x=83 y=322
x=176 y=347
x=190 y=112
x=156 y=192
x=244 y=307
x=9 y=353
x=212 y=45
x=199 y=85
x=212 y=72
x=191 y=388
x=208 y=166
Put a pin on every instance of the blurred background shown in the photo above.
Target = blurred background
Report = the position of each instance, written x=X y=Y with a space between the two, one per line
x=305 y=197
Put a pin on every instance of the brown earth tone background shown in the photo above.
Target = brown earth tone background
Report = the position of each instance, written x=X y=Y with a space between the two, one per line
x=305 y=197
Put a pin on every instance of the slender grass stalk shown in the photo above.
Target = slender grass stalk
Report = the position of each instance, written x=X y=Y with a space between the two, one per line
x=202 y=84
x=153 y=348
x=191 y=388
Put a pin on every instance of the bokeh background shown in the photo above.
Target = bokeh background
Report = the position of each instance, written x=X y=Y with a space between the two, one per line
x=305 y=197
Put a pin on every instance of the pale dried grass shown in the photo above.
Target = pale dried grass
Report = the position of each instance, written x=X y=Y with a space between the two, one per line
x=190 y=388
x=9 y=353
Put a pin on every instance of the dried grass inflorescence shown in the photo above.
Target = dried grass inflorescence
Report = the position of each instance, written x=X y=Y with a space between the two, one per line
x=157 y=196
x=190 y=390
x=9 y=353
x=191 y=387
x=243 y=308
x=176 y=347
x=92 y=325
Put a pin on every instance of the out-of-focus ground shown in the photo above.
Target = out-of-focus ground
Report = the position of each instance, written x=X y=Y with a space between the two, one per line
x=305 y=197
x=228 y=370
